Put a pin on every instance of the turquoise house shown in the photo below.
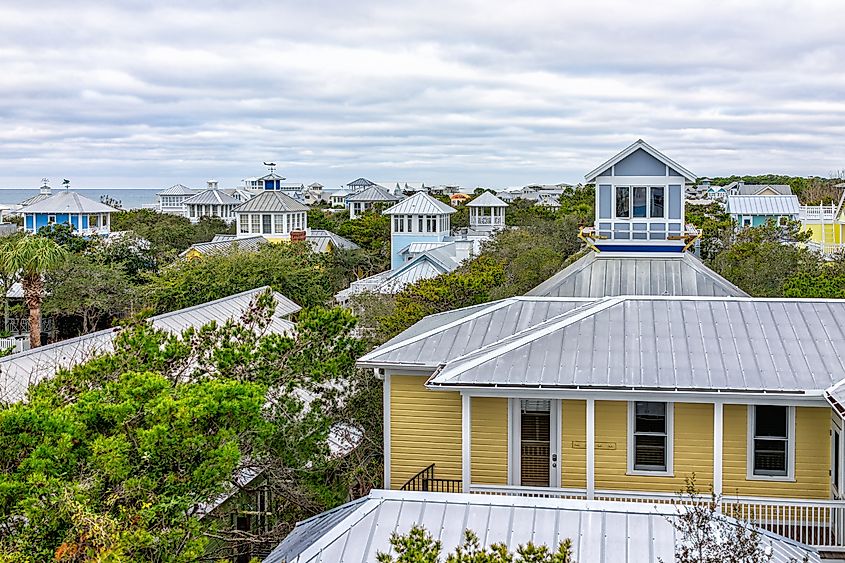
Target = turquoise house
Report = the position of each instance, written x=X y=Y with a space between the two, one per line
x=757 y=210
x=86 y=216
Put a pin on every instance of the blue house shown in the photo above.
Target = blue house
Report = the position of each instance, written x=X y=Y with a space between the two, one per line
x=639 y=202
x=757 y=210
x=86 y=216
x=420 y=218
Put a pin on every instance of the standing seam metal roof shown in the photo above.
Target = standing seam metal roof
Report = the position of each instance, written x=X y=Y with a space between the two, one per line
x=670 y=343
x=606 y=274
x=67 y=202
x=487 y=199
x=420 y=204
x=763 y=205
x=601 y=531
x=271 y=202
x=374 y=193
x=213 y=196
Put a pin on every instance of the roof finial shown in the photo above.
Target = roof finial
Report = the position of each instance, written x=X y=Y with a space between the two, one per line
x=271 y=166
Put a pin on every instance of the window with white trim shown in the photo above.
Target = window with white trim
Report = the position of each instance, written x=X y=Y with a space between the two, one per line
x=771 y=429
x=255 y=224
x=650 y=437
x=244 y=223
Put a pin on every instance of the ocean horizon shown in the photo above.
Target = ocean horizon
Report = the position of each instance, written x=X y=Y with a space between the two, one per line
x=129 y=198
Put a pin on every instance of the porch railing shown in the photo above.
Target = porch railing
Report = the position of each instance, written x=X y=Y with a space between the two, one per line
x=817 y=212
x=16 y=344
x=818 y=523
x=426 y=480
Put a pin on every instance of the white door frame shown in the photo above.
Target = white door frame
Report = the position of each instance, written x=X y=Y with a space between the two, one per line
x=836 y=432
x=515 y=446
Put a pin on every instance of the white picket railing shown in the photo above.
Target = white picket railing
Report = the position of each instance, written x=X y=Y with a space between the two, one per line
x=826 y=248
x=17 y=344
x=818 y=523
x=817 y=212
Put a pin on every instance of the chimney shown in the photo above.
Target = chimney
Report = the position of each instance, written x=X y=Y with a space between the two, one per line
x=212 y=184
x=297 y=236
x=464 y=249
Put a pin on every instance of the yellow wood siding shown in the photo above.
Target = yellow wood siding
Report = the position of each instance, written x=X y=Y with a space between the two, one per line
x=573 y=469
x=693 y=444
x=832 y=232
x=812 y=456
x=425 y=428
x=489 y=441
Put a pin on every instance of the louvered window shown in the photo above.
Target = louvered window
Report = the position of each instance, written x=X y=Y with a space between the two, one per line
x=651 y=436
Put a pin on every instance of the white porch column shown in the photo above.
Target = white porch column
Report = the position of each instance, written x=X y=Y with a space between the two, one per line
x=466 y=438
x=386 y=406
x=591 y=449
x=718 y=408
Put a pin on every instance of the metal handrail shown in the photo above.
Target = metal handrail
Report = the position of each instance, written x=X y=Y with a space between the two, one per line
x=425 y=480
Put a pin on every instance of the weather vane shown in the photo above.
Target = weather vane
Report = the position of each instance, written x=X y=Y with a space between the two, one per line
x=271 y=166
x=66 y=183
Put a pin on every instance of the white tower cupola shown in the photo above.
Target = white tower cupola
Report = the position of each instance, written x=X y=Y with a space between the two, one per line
x=486 y=213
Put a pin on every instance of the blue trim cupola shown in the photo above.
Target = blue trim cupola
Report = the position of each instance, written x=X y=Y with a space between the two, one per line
x=640 y=199
x=271 y=181
x=417 y=219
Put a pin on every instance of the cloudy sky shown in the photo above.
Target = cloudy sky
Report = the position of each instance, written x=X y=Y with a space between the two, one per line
x=490 y=92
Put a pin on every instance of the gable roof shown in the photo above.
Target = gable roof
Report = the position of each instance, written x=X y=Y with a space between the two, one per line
x=178 y=189
x=213 y=196
x=601 y=531
x=487 y=199
x=763 y=205
x=271 y=202
x=360 y=183
x=373 y=193
x=608 y=274
x=19 y=371
x=639 y=144
x=757 y=189
x=321 y=239
x=420 y=204
x=694 y=344
x=67 y=202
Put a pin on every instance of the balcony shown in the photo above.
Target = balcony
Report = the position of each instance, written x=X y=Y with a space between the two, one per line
x=815 y=213
x=486 y=221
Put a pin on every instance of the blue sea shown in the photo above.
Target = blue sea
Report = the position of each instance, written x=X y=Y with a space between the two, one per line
x=129 y=198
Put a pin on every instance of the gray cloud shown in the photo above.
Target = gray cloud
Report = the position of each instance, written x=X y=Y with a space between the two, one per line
x=490 y=93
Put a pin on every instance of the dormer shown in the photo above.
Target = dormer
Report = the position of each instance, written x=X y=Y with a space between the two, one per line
x=486 y=212
x=419 y=218
x=640 y=201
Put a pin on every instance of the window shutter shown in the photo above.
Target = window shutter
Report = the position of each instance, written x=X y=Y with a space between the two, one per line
x=604 y=201
x=675 y=202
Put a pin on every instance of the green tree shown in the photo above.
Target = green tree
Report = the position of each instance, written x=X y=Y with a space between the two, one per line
x=8 y=273
x=33 y=257
x=168 y=234
x=110 y=460
x=88 y=289
x=418 y=546
x=290 y=268
x=129 y=252
x=62 y=234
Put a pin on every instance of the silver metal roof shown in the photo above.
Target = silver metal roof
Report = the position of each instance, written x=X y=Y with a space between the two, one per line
x=19 y=371
x=487 y=199
x=442 y=338
x=606 y=274
x=224 y=246
x=374 y=193
x=669 y=344
x=420 y=204
x=763 y=204
x=322 y=240
x=601 y=531
x=178 y=189
x=271 y=202
x=67 y=202
x=213 y=196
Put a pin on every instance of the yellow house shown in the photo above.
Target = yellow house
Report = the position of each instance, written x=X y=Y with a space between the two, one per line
x=624 y=398
x=826 y=224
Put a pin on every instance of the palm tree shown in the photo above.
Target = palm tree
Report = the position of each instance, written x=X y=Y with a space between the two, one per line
x=33 y=256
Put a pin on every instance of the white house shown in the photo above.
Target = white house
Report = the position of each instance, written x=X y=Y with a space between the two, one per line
x=272 y=214
x=366 y=199
x=486 y=213
x=172 y=199
x=420 y=218
x=212 y=202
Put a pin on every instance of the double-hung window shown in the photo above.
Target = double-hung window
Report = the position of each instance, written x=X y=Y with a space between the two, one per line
x=650 y=437
x=771 y=443
x=256 y=224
